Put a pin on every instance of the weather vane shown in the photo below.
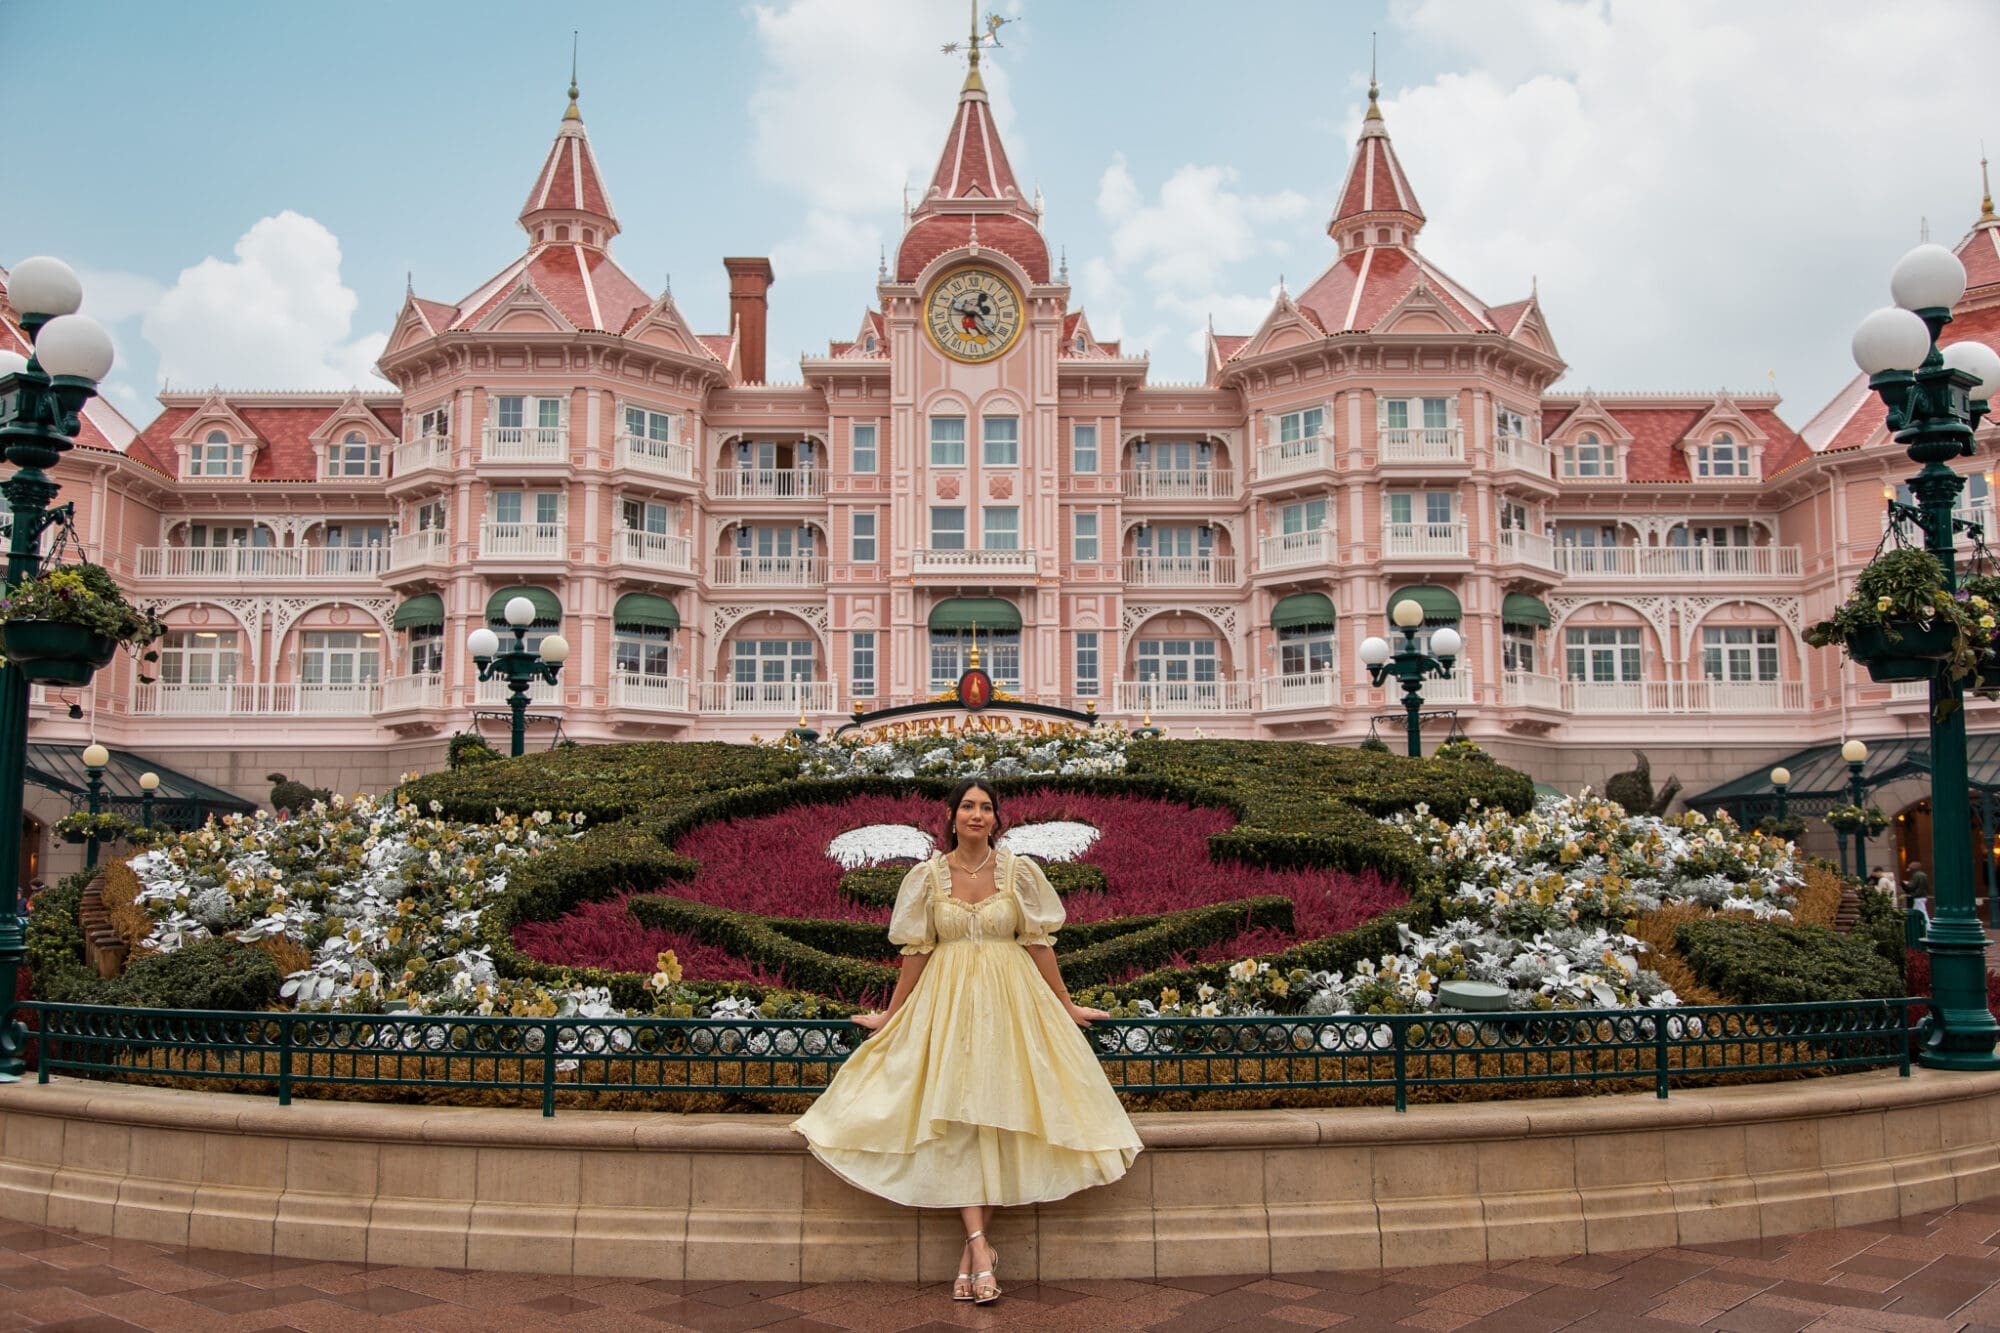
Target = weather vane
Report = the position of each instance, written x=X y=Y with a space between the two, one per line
x=991 y=37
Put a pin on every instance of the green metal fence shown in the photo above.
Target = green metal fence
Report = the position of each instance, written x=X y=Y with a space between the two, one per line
x=1383 y=1056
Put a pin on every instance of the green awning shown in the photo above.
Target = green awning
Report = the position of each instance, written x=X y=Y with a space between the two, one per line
x=991 y=613
x=181 y=802
x=1303 y=610
x=644 y=610
x=548 y=611
x=1440 y=604
x=422 y=612
x=1522 y=610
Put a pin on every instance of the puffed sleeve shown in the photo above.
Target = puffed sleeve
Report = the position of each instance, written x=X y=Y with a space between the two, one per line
x=910 y=922
x=1041 y=911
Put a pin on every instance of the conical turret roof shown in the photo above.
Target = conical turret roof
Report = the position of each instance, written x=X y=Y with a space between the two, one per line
x=569 y=190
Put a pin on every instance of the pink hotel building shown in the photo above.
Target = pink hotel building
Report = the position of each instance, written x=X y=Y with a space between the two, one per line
x=725 y=553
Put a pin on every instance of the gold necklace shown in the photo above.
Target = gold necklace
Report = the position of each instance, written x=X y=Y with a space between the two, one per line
x=973 y=870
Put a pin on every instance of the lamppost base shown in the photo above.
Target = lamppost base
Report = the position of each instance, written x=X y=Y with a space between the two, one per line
x=1968 y=1061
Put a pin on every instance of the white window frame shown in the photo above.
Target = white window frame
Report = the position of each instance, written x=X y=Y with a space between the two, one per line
x=990 y=531
x=1752 y=648
x=863 y=456
x=999 y=452
x=1083 y=447
x=216 y=455
x=1586 y=649
x=861 y=661
x=354 y=455
x=1723 y=456
x=325 y=654
x=861 y=545
x=959 y=532
x=946 y=452
x=1088 y=661
x=1602 y=461
x=1083 y=538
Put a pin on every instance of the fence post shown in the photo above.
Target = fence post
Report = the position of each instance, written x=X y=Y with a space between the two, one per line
x=1401 y=1032
x=549 y=1067
x=1660 y=1022
x=285 y=1060
x=1908 y=1034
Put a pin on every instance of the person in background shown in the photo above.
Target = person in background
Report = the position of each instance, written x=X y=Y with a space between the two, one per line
x=1917 y=889
x=1885 y=884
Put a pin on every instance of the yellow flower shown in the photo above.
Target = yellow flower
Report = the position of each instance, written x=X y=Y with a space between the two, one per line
x=1883 y=603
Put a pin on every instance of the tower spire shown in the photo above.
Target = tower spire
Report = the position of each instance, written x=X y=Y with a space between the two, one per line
x=972 y=79
x=1374 y=88
x=1376 y=194
x=1986 y=213
x=572 y=113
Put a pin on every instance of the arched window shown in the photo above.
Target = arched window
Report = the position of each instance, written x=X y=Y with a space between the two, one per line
x=354 y=456
x=1722 y=457
x=1589 y=456
x=215 y=456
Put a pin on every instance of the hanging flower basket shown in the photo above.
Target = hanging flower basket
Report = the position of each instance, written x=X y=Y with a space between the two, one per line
x=53 y=652
x=1916 y=653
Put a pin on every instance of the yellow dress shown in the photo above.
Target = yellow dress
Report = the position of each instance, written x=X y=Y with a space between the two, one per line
x=981 y=1089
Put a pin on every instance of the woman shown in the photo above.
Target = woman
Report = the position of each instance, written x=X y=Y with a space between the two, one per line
x=976 y=1090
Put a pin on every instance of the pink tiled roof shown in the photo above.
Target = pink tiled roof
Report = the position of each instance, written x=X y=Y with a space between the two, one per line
x=585 y=286
x=1375 y=179
x=1228 y=345
x=1364 y=285
x=1980 y=253
x=283 y=433
x=569 y=180
x=939 y=233
x=974 y=163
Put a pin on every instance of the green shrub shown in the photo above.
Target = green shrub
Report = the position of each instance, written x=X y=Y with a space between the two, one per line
x=467 y=749
x=1766 y=962
x=1881 y=924
x=208 y=974
x=294 y=796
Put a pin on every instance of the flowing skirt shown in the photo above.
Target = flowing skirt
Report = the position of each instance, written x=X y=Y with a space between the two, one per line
x=981 y=1090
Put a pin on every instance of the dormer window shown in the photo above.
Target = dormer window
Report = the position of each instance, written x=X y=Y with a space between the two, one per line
x=562 y=231
x=354 y=456
x=215 y=456
x=869 y=345
x=1081 y=345
x=1722 y=457
x=1589 y=456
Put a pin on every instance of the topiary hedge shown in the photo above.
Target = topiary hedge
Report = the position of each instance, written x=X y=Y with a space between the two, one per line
x=209 y=974
x=1766 y=962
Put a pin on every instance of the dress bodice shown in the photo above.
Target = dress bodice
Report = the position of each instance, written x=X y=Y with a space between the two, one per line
x=994 y=917
x=1022 y=909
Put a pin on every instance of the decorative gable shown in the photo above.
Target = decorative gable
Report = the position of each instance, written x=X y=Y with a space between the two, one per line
x=524 y=310
x=661 y=325
x=351 y=442
x=1286 y=327
x=1590 y=443
x=1725 y=444
x=1422 y=310
x=196 y=440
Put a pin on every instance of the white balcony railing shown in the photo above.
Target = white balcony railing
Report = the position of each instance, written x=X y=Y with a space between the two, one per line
x=1180 y=484
x=973 y=564
x=428 y=451
x=261 y=562
x=1289 y=550
x=525 y=444
x=656 y=550
x=1303 y=689
x=1511 y=451
x=658 y=457
x=787 y=698
x=496 y=694
x=1685 y=696
x=1526 y=689
x=1422 y=444
x=768 y=483
x=1185 y=696
x=665 y=694
x=1672 y=562
x=430 y=546
x=1456 y=690
x=1287 y=457
x=1407 y=539
x=547 y=540
x=401 y=692
x=1180 y=571
x=1527 y=548
x=767 y=571
x=246 y=699
x=1905 y=690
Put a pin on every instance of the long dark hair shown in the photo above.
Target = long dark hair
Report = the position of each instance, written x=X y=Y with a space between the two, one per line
x=951 y=811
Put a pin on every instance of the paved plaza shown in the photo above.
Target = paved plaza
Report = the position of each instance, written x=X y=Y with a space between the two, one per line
x=1936 y=1272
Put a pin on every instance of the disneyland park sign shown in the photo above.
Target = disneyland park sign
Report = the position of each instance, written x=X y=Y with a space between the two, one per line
x=974 y=706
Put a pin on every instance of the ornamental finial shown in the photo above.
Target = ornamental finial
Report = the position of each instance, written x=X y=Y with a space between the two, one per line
x=572 y=113
x=1374 y=88
x=1986 y=213
x=975 y=645
x=991 y=37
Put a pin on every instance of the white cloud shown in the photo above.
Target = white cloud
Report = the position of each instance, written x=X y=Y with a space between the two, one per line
x=1706 y=190
x=829 y=243
x=277 y=316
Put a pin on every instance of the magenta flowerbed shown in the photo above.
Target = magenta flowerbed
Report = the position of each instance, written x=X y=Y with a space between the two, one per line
x=1154 y=855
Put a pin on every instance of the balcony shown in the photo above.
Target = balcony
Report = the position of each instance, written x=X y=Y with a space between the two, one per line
x=1194 y=484
x=656 y=550
x=1678 y=562
x=1185 y=696
x=1510 y=451
x=1423 y=539
x=1180 y=571
x=1684 y=696
x=768 y=571
x=1290 y=457
x=428 y=547
x=1291 y=550
x=496 y=694
x=768 y=483
x=1305 y=689
x=245 y=699
x=429 y=451
x=652 y=694
x=1456 y=690
x=1422 y=444
x=262 y=562
x=973 y=566
x=401 y=693
x=1527 y=689
x=656 y=457
x=525 y=444
x=546 y=541
x=769 y=698
x=1527 y=548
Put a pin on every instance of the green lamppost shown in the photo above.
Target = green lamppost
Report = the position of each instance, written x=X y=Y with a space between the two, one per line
x=1411 y=665
x=1935 y=399
x=1781 y=778
x=517 y=666
x=95 y=757
x=1856 y=755
x=41 y=402
x=149 y=782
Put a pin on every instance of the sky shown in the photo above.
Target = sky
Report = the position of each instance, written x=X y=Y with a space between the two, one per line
x=1705 y=194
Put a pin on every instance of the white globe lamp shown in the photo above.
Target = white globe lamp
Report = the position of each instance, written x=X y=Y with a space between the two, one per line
x=1891 y=339
x=1979 y=361
x=1854 y=752
x=1781 y=777
x=1407 y=614
x=483 y=642
x=44 y=286
x=1927 y=278
x=75 y=347
x=12 y=363
x=1446 y=642
x=555 y=648
x=1374 y=651
x=95 y=755
x=149 y=782
x=520 y=612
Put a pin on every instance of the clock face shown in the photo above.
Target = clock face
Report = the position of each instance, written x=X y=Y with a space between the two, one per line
x=973 y=314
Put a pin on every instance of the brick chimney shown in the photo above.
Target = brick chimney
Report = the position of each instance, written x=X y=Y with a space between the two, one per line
x=749 y=280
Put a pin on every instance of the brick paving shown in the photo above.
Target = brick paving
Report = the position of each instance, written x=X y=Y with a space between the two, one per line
x=1935 y=1273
